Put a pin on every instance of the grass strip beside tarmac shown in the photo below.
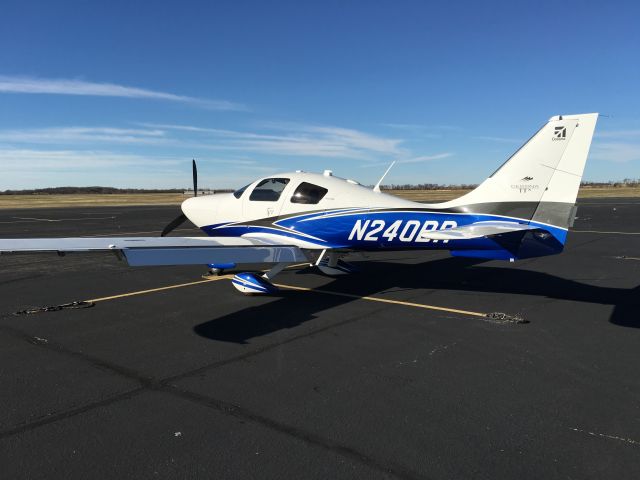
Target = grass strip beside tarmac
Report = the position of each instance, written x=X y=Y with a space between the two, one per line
x=118 y=200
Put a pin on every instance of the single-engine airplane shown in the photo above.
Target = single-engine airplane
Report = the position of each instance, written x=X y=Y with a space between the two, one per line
x=523 y=210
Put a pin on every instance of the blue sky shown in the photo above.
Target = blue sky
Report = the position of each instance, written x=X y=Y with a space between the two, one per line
x=124 y=93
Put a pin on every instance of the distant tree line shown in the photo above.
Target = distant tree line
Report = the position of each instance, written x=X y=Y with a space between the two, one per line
x=87 y=190
x=427 y=186
x=627 y=182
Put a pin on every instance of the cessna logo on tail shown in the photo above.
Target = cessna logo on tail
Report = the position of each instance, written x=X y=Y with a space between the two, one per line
x=559 y=133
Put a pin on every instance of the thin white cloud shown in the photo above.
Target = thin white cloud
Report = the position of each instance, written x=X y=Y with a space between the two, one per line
x=427 y=158
x=615 y=152
x=162 y=150
x=33 y=168
x=34 y=160
x=420 y=127
x=618 y=134
x=355 y=139
x=236 y=162
x=302 y=140
x=61 y=86
x=329 y=142
x=419 y=159
x=30 y=160
x=78 y=135
x=29 y=168
x=498 y=139
x=217 y=132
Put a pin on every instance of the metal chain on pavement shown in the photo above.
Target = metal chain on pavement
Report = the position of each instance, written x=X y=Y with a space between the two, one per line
x=499 y=317
x=55 y=308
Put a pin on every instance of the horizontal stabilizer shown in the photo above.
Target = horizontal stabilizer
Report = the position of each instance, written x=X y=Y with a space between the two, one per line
x=478 y=230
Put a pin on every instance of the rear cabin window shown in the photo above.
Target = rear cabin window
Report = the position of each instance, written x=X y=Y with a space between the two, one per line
x=269 y=190
x=308 y=193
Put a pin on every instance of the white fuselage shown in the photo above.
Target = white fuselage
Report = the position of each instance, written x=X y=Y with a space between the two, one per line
x=232 y=208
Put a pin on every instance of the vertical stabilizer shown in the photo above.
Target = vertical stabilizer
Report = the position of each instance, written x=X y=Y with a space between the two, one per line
x=540 y=181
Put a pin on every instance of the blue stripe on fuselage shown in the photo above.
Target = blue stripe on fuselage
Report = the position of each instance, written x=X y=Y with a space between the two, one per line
x=388 y=229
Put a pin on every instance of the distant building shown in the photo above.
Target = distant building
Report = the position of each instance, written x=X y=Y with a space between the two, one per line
x=205 y=191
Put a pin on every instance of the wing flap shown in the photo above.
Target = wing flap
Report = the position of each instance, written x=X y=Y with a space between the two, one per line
x=137 y=257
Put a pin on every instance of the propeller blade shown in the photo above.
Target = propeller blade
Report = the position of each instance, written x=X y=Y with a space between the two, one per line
x=176 y=222
x=180 y=219
x=195 y=177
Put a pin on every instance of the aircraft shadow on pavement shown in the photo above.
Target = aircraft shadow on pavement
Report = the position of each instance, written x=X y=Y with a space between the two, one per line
x=292 y=308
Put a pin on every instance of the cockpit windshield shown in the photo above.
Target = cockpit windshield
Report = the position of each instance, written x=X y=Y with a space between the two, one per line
x=268 y=190
x=238 y=193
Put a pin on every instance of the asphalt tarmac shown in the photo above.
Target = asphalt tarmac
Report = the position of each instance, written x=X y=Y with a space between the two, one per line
x=389 y=373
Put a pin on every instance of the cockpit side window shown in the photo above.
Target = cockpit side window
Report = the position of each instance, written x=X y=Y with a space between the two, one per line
x=308 y=193
x=269 y=190
x=238 y=193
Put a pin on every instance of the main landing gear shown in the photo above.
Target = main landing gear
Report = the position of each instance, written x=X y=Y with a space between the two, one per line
x=331 y=264
x=328 y=263
x=217 y=269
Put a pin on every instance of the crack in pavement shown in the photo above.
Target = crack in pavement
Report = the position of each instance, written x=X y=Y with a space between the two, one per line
x=148 y=383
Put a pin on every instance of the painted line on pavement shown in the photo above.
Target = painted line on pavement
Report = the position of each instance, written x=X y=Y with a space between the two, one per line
x=384 y=300
x=159 y=289
x=302 y=289
x=604 y=232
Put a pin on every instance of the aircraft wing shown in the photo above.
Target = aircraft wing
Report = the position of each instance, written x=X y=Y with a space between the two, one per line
x=142 y=251
x=478 y=230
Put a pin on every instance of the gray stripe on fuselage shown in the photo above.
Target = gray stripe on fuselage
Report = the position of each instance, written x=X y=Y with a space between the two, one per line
x=552 y=213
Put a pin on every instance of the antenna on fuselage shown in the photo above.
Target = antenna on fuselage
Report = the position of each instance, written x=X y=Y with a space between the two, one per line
x=377 y=187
